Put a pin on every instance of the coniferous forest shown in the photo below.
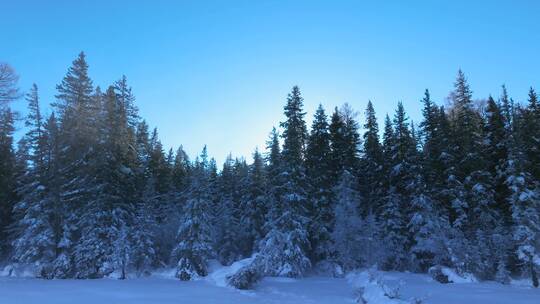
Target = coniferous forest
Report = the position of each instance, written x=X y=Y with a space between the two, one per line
x=89 y=190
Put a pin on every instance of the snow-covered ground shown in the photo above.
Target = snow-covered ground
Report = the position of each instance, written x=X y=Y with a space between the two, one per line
x=422 y=287
x=163 y=289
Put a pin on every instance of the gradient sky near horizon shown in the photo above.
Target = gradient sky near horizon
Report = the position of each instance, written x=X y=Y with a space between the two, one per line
x=218 y=72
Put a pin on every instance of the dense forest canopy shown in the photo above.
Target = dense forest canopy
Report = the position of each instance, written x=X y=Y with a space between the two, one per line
x=89 y=191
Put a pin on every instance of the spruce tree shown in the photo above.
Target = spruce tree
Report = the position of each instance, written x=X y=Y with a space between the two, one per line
x=144 y=253
x=254 y=205
x=126 y=98
x=180 y=170
x=347 y=232
x=77 y=111
x=525 y=201
x=7 y=176
x=400 y=150
x=273 y=160
x=227 y=221
x=194 y=238
x=372 y=163
x=8 y=93
x=344 y=141
x=318 y=169
x=530 y=131
x=433 y=141
x=34 y=230
x=159 y=197
x=496 y=153
x=337 y=145
x=285 y=246
x=427 y=228
x=273 y=155
x=106 y=219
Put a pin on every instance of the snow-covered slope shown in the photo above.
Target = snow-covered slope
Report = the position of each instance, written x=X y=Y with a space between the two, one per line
x=164 y=290
x=411 y=287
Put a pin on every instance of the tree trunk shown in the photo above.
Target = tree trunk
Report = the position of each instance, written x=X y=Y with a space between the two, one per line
x=534 y=277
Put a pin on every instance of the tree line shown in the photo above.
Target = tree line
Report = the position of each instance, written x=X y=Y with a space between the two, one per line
x=89 y=190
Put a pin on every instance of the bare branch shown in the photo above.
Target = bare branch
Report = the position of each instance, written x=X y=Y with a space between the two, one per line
x=8 y=84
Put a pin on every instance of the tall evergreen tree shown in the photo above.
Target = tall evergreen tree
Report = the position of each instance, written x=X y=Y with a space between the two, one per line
x=318 y=169
x=344 y=141
x=180 y=170
x=496 y=153
x=347 y=233
x=427 y=228
x=372 y=163
x=8 y=93
x=254 y=205
x=337 y=144
x=525 y=203
x=227 y=221
x=77 y=109
x=194 y=238
x=286 y=243
x=400 y=150
x=126 y=98
x=34 y=231
x=7 y=176
x=464 y=130
x=530 y=132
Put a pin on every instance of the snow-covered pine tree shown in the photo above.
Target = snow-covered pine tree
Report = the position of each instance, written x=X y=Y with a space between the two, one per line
x=160 y=198
x=77 y=115
x=180 y=170
x=464 y=174
x=463 y=123
x=273 y=160
x=427 y=227
x=347 y=232
x=344 y=141
x=525 y=212
x=7 y=177
x=525 y=201
x=434 y=142
x=8 y=93
x=125 y=97
x=253 y=205
x=530 y=130
x=484 y=220
x=371 y=164
x=143 y=252
x=34 y=231
x=286 y=244
x=337 y=144
x=400 y=152
x=227 y=221
x=318 y=170
x=241 y=172
x=106 y=219
x=428 y=224
x=159 y=178
x=351 y=152
x=194 y=238
x=273 y=155
x=507 y=107
x=495 y=151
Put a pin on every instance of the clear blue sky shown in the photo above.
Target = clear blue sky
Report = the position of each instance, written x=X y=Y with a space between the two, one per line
x=217 y=73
